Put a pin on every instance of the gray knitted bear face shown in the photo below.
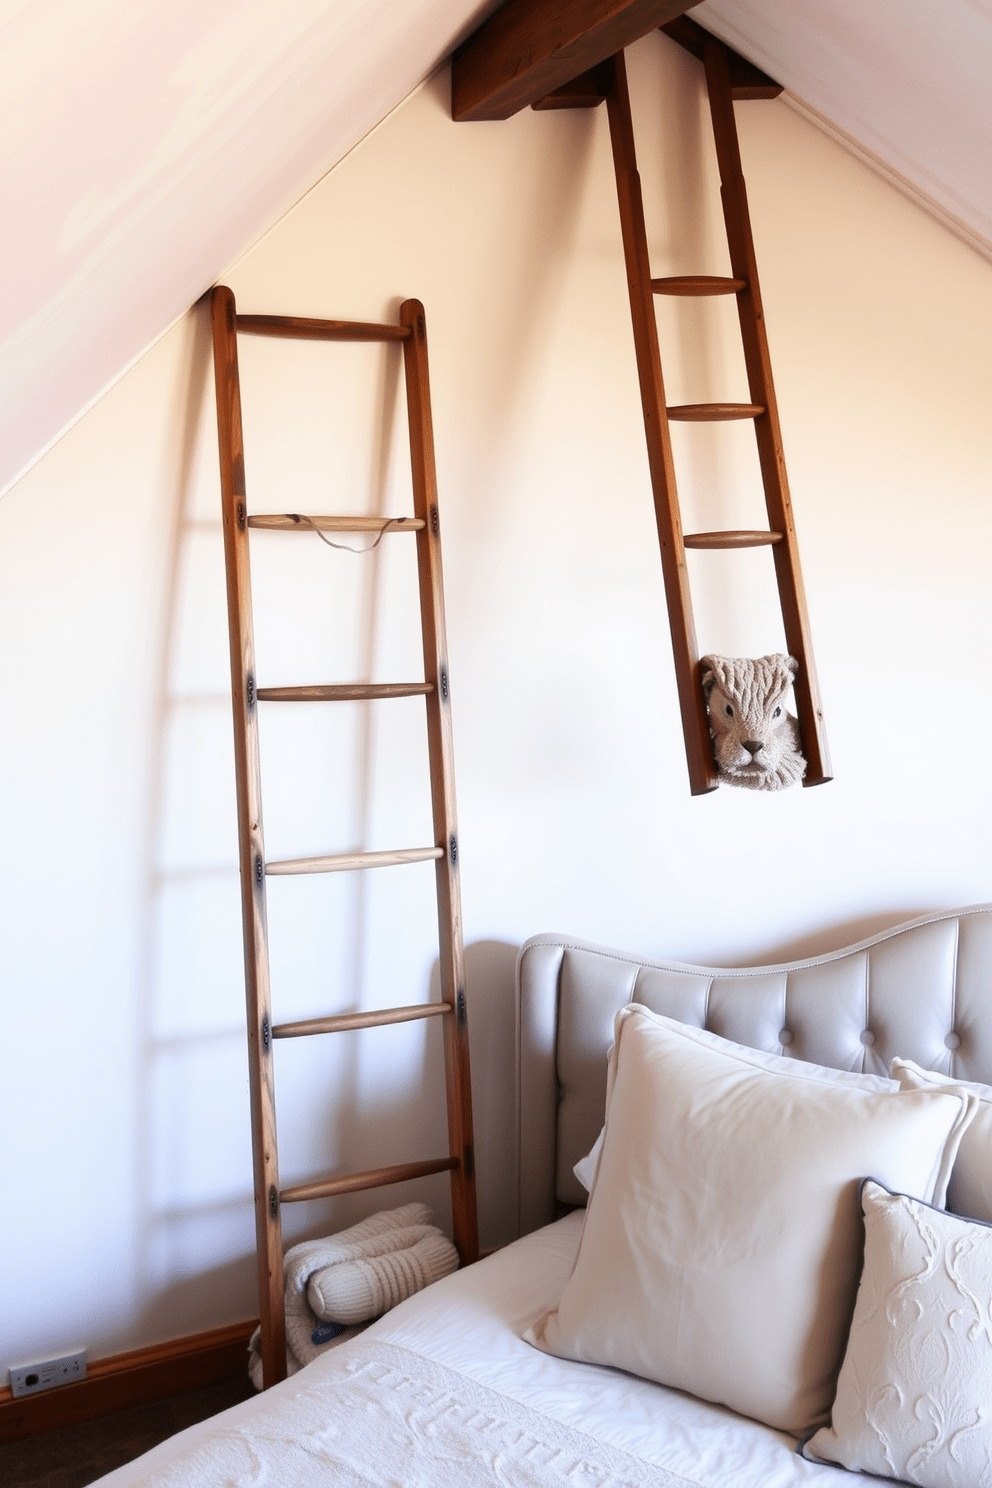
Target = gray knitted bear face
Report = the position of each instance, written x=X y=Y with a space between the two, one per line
x=755 y=741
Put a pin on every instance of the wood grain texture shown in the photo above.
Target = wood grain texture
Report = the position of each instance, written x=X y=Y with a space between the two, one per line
x=294 y=522
x=732 y=539
x=328 y=1188
x=346 y=1022
x=713 y=413
x=346 y=862
x=528 y=48
x=343 y=692
x=251 y=846
x=762 y=409
x=746 y=80
x=296 y=328
x=695 y=724
x=768 y=434
x=697 y=284
x=442 y=771
x=269 y=1196
x=583 y=92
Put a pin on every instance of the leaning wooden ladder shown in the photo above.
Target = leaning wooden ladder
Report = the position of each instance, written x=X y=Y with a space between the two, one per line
x=762 y=409
x=246 y=695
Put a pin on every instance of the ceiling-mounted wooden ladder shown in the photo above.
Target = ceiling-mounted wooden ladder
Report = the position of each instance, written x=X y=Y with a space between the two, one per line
x=246 y=695
x=762 y=409
x=727 y=76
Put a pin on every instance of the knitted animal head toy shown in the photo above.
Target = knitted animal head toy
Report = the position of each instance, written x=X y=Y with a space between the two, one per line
x=755 y=741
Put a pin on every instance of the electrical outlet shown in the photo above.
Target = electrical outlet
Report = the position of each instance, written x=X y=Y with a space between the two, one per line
x=31 y=1379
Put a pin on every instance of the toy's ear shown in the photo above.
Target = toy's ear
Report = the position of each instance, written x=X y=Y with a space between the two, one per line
x=709 y=676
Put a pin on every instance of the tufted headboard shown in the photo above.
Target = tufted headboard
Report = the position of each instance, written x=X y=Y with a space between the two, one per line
x=922 y=991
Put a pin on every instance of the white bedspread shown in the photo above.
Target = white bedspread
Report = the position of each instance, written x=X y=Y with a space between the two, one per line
x=443 y=1390
x=381 y=1415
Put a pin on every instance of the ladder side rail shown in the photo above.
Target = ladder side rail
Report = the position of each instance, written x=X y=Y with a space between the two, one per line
x=767 y=429
x=441 y=756
x=695 y=724
x=268 y=1226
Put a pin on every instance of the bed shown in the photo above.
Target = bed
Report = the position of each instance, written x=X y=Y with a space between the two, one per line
x=468 y=1382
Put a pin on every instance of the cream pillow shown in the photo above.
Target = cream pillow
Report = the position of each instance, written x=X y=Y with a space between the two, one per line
x=914 y=1398
x=720 y=1249
x=585 y=1168
x=970 y=1189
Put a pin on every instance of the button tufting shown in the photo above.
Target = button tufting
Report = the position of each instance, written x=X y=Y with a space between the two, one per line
x=953 y=1040
x=867 y=1038
x=785 y=1037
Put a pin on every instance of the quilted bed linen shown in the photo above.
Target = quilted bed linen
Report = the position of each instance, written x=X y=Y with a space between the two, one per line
x=443 y=1391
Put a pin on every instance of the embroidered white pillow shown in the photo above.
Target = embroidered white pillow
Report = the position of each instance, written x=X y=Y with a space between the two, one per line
x=914 y=1398
x=721 y=1246
x=970 y=1190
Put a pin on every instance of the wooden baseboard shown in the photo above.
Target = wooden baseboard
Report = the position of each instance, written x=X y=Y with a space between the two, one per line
x=135 y=1378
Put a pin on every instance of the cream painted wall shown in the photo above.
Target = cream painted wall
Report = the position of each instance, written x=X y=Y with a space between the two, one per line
x=123 y=1087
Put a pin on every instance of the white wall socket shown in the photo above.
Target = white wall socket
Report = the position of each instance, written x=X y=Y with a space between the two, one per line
x=31 y=1379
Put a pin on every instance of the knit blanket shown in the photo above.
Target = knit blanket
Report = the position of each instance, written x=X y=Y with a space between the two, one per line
x=337 y=1285
x=375 y=1415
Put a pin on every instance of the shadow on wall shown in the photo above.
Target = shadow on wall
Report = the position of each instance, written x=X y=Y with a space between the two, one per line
x=180 y=1308
x=191 y=1237
x=835 y=936
x=521 y=282
x=368 y=1133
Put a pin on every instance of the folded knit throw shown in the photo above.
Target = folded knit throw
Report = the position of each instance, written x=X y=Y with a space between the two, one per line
x=353 y=1277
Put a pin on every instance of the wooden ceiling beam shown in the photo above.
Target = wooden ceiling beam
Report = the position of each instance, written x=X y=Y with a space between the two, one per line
x=528 y=48
x=746 y=80
x=590 y=88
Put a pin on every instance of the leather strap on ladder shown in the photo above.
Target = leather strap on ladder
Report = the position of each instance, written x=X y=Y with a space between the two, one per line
x=762 y=409
x=246 y=695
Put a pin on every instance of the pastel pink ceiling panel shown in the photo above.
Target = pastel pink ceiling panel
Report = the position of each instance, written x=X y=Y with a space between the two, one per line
x=144 y=145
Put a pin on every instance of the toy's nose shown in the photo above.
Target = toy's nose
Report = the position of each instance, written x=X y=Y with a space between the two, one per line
x=752 y=745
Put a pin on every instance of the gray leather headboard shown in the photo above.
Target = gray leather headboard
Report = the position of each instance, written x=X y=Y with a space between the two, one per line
x=922 y=991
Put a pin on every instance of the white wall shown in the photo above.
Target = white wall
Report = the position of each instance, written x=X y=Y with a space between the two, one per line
x=124 y=1102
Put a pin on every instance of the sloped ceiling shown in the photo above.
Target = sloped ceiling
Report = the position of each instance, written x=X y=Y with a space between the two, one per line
x=144 y=145
x=907 y=84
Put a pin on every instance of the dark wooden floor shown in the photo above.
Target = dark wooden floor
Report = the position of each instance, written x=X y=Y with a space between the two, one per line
x=77 y=1455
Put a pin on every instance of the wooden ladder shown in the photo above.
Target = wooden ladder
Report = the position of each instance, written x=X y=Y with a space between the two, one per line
x=762 y=409
x=246 y=695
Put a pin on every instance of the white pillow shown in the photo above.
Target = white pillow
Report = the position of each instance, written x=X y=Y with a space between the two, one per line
x=720 y=1249
x=970 y=1189
x=585 y=1168
x=914 y=1398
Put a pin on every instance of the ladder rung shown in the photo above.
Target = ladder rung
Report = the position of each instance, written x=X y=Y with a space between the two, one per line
x=340 y=862
x=374 y=1178
x=698 y=284
x=738 y=539
x=708 y=413
x=346 y=692
x=319 y=330
x=293 y=522
x=345 y=1022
